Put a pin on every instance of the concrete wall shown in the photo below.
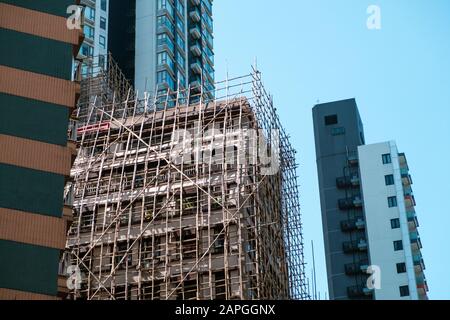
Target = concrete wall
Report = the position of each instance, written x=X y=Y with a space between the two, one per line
x=145 y=64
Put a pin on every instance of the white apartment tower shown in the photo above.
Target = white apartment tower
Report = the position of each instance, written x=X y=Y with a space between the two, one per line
x=391 y=222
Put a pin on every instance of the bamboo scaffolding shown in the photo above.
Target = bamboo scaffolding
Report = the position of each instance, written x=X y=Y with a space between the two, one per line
x=146 y=227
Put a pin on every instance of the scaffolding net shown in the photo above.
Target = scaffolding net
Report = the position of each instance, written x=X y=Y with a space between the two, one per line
x=180 y=195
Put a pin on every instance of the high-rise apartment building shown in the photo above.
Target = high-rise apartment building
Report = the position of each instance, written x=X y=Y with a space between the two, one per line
x=391 y=222
x=164 y=44
x=338 y=133
x=37 y=96
x=368 y=216
x=95 y=28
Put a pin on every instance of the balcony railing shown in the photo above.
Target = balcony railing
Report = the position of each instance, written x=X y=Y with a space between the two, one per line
x=347 y=182
x=356 y=268
x=353 y=224
x=195 y=33
x=196 y=50
x=196 y=67
x=195 y=15
x=352 y=246
x=410 y=201
x=350 y=203
x=358 y=291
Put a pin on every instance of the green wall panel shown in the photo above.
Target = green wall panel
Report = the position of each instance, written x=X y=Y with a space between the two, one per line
x=32 y=119
x=55 y=7
x=31 y=190
x=28 y=268
x=35 y=54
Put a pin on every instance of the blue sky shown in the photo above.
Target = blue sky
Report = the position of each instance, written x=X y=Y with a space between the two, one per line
x=310 y=50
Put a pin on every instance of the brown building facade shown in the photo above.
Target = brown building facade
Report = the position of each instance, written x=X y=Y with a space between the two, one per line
x=37 y=97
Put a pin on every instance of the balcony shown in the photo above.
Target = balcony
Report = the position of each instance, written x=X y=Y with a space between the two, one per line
x=407 y=191
x=354 y=246
x=196 y=50
x=352 y=158
x=410 y=201
x=347 y=182
x=356 y=268
x=354 y=224
x=413 y=236
x=402 y=159
x=196 y=86
x=350 y=203
x=166 y=26
x=420 y=279
x=196 y=68
x=359 y=291
x=419 y=264
x=413 y=224
x=407 y=180
x=411 y=215
x=195 y=15
x=416 y=243
x=422 y=289
x=195 y=33
x=404 y=171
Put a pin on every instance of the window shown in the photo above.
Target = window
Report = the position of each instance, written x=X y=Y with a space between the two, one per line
x=103 y=23
x=163 y=21
x=392 y=202
x=101 y=61
x=88 y=31
x=401 y=267
x=389 y=179
x=181 y=61
x=395 y=223
x=182 y=80
x=180 y=25
x=398 y=245
x=180 y=8
x=180 y=42
x=87 y=50
x=89 y=13
x=103 y=5
x=163 y=39
x=404 y=291
x=386 y=158
x=163 y=58
x=164 y=4
x=330 y=120
x=338 y=131
x=161 y=76
x=102 y=41
x=164 y=77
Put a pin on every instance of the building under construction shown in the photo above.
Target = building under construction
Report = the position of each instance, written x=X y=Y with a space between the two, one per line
x=183 y=197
